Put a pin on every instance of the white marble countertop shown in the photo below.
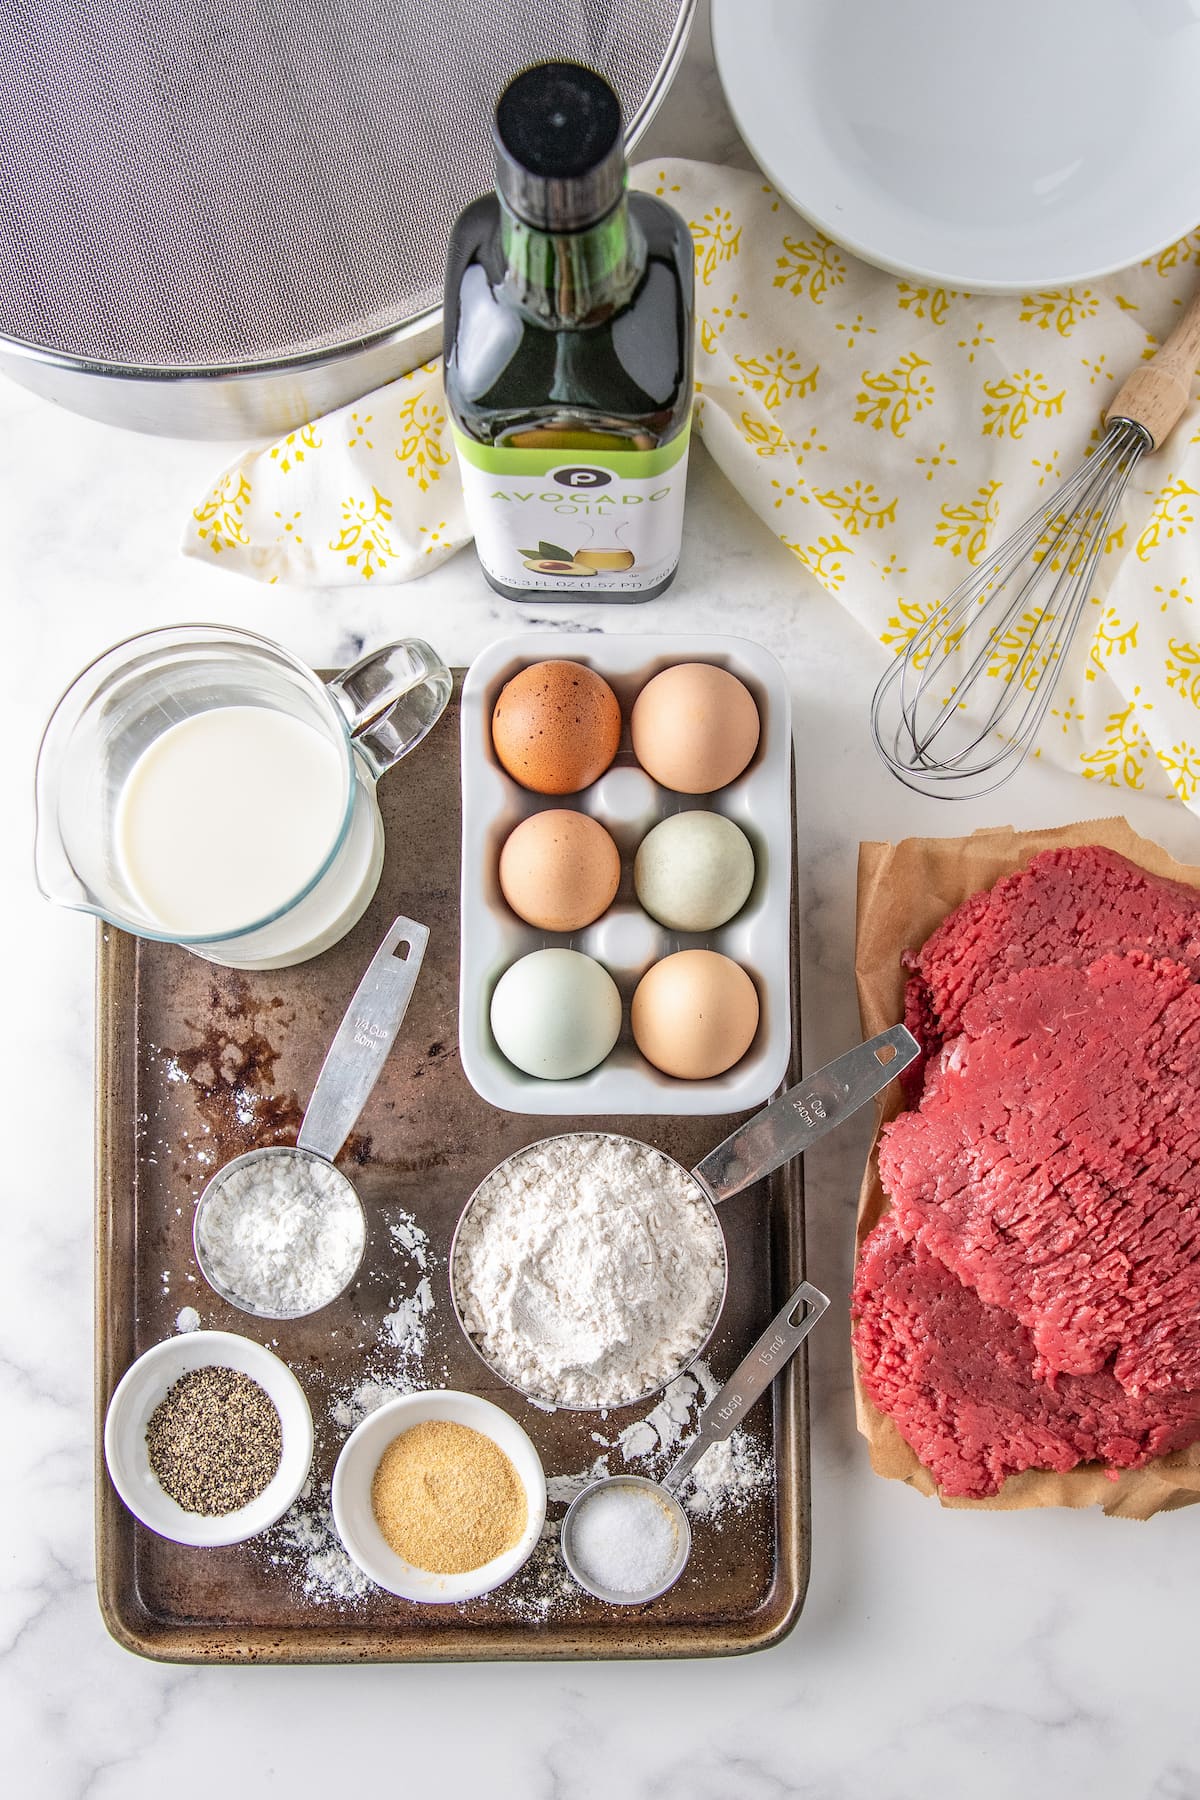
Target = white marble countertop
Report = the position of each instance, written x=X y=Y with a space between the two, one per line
x=938 y=1652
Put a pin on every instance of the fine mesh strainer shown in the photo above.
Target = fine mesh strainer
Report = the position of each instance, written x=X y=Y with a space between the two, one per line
x=217 y=221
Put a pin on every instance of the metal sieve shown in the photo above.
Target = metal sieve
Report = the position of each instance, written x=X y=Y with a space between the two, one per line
x=217 y=222
x=781 y=1131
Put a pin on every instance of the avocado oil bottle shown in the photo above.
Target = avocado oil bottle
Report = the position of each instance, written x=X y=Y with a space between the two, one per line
x=568 y=353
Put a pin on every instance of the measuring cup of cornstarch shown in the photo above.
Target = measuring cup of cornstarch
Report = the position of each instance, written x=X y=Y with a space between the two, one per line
x=280 y=1232
x=626 y=1539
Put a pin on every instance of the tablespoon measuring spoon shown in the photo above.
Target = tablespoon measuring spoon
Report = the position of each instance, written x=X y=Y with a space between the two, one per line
x=752 y=1377
x=351 y=1068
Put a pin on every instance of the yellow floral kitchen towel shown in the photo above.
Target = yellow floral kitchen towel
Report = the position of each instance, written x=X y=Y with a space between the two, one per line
x=888 y=432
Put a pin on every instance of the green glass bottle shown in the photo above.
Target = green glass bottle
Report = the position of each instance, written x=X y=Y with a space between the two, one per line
x=568 y=353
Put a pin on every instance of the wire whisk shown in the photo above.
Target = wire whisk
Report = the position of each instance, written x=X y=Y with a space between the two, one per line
x=1014 y=617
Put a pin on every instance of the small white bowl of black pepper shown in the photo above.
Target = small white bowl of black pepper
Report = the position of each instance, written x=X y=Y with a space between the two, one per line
x=208 y=1438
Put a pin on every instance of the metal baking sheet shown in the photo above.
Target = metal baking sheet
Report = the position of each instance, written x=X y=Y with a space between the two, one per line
x=198 y=1063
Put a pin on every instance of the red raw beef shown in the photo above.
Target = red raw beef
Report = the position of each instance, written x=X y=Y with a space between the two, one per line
x=1067 y=906
x=1054 y=1165
x=958 y=1378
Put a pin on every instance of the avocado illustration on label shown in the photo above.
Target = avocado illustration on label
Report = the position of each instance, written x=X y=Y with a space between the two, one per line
x=552 y=559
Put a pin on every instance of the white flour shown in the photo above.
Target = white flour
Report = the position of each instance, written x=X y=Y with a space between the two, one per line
x=722 y=1487
x=304 y=1546
x=542 y=1591
x=406 y=1326
x=404 y=1335
x=724 y=1481
x=284 y=1234
x=305 y=1539
x=305 y=1543
x=589 y=1269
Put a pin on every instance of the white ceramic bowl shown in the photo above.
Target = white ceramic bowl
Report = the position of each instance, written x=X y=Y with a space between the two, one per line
x=626 y=940
x=138 y=1393
x=366 y=1545
x=1006 y=148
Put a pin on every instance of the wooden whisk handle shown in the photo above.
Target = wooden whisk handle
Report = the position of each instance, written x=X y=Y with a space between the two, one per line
x=1155 y=395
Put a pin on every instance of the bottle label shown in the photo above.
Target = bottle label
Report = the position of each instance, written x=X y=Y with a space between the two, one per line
x=579 y=521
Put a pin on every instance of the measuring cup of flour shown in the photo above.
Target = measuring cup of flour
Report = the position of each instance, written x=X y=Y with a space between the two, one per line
x=280 y=1232
x=201 y=785
x=627 y=1539
x=589 y=1270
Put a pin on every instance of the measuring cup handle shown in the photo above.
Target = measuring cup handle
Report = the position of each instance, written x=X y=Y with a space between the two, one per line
x=805 y=1113
x=750 y=1380
x=363 y=1039
x=391 y=699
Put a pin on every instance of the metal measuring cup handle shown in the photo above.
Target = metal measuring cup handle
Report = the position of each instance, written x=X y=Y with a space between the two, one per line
x=359 y=1049
x=805 y=1113
x=750 y=1380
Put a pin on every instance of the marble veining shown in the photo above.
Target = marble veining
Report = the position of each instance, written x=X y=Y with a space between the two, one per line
x=1044 y=1654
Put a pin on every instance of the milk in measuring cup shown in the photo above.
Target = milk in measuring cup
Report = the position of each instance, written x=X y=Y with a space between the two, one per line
x=228 y=815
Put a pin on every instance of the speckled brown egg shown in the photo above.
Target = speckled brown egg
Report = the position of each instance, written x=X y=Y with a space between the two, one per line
x=694 y=1014
x=695 y=727
x=556 y=727
x=559 y=870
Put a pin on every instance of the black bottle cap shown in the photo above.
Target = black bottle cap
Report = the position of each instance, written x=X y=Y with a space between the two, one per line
x=560 y=155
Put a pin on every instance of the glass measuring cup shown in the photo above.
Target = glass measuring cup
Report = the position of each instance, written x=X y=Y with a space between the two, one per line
x=781 y=1131
x=351 y=1068
x=724 y=1412
x=114 y=711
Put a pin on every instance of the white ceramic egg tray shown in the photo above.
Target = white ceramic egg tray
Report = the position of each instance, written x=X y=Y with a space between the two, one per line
x=626 y=940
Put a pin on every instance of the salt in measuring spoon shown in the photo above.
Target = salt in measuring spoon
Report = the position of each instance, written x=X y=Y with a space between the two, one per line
x=351 y=1068
x=752 y=1377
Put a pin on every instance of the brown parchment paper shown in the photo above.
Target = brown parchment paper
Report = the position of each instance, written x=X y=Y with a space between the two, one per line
x=904 y=891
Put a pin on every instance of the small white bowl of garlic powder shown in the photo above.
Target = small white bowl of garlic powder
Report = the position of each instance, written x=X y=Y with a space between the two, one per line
x=363 y=1462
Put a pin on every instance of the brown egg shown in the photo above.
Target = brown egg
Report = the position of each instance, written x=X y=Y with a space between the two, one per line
x=695 y=1014
x=556 y=727
x=695 y=727
x=559 y=870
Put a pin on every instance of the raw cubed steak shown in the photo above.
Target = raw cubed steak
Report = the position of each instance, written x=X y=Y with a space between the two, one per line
x=958 y=1378
x=1067 y=906
x=1054 y=1165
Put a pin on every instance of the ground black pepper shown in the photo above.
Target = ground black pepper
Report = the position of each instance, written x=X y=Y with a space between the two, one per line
x=214 y=1441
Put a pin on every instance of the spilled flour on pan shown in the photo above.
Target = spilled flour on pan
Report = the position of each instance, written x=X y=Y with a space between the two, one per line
x=724 y=1484
x=305 y=1544
x=724 y=1481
